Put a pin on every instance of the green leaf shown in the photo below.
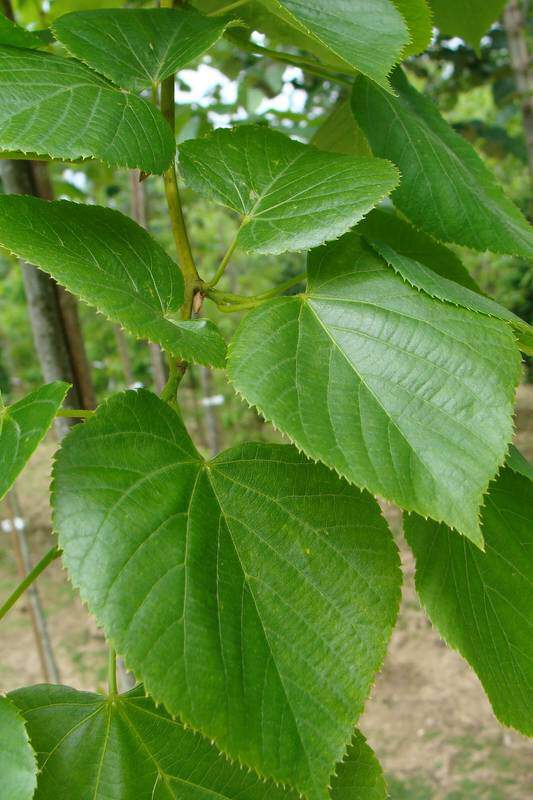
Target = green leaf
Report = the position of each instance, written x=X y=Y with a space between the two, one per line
x=290 y=195
x=401 y=394
x=482 y=603
x=517 y=462
x=253 y=594
x=125 y=747
x=15 y=36
x=431 y=267
x=137 y=48
x=445 y=187
x=468 y=19
x=340 y=133
x=60 y=108
x=113 y=264
x=419 y=19
x=365 y=36
x=23 y=425
x=17 y=759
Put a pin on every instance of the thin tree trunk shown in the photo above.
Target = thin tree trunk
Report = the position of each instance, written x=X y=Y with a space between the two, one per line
x=515 y=20
x=139 y=212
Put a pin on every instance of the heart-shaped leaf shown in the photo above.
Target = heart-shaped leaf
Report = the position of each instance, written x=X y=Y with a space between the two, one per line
x=291 y=196
x=482 y=603
x=18 y=767
x=254 y=594
x=468 y=19
x=125 y=747
x=111 y=263
x=362 y=36
x=23 y=425
x=434 y=269
x=445 y=188
x=136 y=47
x=60 y=108
x=404 y=395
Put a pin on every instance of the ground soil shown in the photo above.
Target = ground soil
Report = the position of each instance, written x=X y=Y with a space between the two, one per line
x=427 y=719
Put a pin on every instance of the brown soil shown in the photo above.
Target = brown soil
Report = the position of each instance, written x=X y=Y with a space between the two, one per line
x=428 y=719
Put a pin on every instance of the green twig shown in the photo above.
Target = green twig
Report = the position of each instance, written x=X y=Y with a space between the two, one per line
x=292 y=60
x=224 y=10
x=176 y=371
x=225 y=261
x=52 y=554
x=76 y=413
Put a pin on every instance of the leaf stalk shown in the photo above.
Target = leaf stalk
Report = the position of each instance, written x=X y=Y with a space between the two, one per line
x=47 y=559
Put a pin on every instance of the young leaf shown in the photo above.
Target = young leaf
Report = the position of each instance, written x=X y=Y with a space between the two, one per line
x=445 y=187
x=60 y=108
x=15 y=36
x=291 y=196
x=22 y=427
x=468 y=19
x=125 y=747
x=113 y=264
x=419 y=19
x=137 y=48
x=482 y=603
x=362 y=36
x=401 y=394
x=18 y=767
x=434 y=269
x=253 y=594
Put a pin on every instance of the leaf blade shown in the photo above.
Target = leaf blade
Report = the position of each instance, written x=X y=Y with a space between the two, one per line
x=136 y=48
x=445 y=189
x=113 y=264
x=23 y=426
x=43 y=97
x=469 y=20
x=482 y=603
x=228 y=607
x=291 y=196
x=17 y=758
x=366 y=374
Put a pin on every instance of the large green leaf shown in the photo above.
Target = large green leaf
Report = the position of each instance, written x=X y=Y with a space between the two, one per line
x=365 y=36
x=419 y=19
x=468 y=19
x=22 y=427
x=290 y=195
x=137 y=48
x=406 y=396
x=340 y=133
x=434 y=269
x=254 y=594
x=482 y=603
x=445 y=187
x=113 y=264
x=18 y=768
x=15 y=36
x=94 y=747
x=60 y=108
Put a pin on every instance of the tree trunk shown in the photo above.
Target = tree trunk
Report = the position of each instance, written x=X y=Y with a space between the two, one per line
x=53 y=312
x=515 y=20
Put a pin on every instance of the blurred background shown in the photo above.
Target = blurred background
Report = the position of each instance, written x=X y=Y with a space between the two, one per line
x=428 y=719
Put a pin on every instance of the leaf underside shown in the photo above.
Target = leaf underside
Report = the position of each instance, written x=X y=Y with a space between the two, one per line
x=468 y=19
x=432 y=268
x=18 y=768
x=445 y=188
x=406 y=396
x=113 y=264
x=366 y=36
x=58 y=107
x=482 y=603
x=22 y=427
x=291 y=196
x=254 y=595
x=137 y=48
